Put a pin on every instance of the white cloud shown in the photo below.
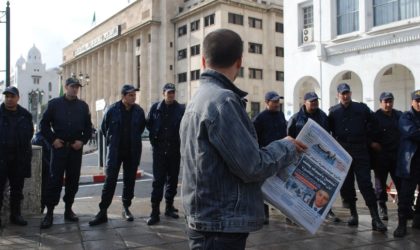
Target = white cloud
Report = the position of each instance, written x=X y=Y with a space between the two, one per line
x=51 y=25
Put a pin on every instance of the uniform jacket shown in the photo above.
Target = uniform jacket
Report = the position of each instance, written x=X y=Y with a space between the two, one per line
x=68 y=120
x=24 y=132
x=270 y=126
x=409 y=126
x=298 y=120
x=223 y=166
x=111 y=128
x=154 y=122
x=387 y=132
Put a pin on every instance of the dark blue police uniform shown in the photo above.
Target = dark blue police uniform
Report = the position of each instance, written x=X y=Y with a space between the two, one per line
x=163 y=124
x=385 y=161
x=68 y=120
x=298 y=120
x=270 y=126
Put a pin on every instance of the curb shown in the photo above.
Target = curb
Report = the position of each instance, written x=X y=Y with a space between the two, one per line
x=89 y=179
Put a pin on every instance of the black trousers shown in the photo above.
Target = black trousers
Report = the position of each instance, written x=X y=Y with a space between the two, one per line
x=165 y=174
x=63 y=160
x=359 y=169
x=382 y=166
x=408 y=187
x=129 y=181
x=198 y=240
x=16 y=180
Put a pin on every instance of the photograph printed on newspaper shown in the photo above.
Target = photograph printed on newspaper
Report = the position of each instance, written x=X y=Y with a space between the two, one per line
x=306 y=190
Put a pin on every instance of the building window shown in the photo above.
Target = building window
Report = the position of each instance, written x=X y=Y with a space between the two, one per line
x=195 y=50
x=138 y=70
x=138 y=42
x=241 y=72
x=182 y=54
x=36 y=79
x=182 y=77
x=195 y=75
x=255 y=73
x=208 y=20
x=279 y=27
x=255 y=48
x=49 y=86
x=255 y=23
x=182 y=30
x=195 y=25
x=308 y=17
x=280 y=76
x=255 y=109
x=280 y=51
x=236 y=19
x=149 y=38
x=388 y=11
x=347 y=16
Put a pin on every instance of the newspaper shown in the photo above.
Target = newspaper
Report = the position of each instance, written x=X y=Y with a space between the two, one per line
x=306 y=190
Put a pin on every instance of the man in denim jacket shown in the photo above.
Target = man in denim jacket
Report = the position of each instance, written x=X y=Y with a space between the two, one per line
x=223 y=166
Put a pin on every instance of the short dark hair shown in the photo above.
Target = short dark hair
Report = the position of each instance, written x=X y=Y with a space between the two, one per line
x=222 y=48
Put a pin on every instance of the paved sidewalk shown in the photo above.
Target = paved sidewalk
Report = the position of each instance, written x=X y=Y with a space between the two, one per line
x=170 y=233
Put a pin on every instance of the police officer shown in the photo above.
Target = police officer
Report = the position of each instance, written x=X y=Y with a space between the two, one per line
x=163 y=123
x=65 y=124
x=310 y=109
x=270 y=125
x=122 y=126
x=408 y=165
x=350 y=124
x=385 y=157
x=16 y=130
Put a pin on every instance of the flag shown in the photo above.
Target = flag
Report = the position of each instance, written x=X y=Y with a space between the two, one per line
x=94 y=18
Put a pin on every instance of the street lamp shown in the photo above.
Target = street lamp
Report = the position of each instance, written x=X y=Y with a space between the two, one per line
x=7 y=22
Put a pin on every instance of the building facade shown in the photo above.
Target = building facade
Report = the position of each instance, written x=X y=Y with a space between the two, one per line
x=150 y=43
x=36 y=84
x=372 y=45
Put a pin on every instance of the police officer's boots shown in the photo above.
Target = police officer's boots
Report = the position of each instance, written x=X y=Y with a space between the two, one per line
x=48 y=219
x=69 y=214
x=100 y=218
x=416 y=221
x=377 y=224
x=170 y=210
x=154 y=216
x=383 y=210
x=354 y=217
x=401 y=230
x=15 y=214
x=126 y=214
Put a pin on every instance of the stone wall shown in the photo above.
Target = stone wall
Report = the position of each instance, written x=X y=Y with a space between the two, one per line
x=32 y=190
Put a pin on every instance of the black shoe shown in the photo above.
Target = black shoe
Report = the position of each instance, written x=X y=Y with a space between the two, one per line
x=70 y=216
x=100 y=218
x=171 y=212
x=353 y=221
x=126 y=214
x=153 y=219
x=18 y=220
x=378 y=225
x=47 y=221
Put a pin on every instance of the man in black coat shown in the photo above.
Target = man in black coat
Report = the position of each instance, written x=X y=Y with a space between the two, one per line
x=16 y=131
x=122 y=126
x=163 y=124
x=67 y=126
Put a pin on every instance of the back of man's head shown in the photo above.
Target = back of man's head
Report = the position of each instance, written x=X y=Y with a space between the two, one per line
x=222 y=48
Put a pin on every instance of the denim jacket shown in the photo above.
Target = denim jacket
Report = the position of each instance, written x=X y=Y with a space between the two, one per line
x=223 y=166
x=111 y=128
x=409 y=126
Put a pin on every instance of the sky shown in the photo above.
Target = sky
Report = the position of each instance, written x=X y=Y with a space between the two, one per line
x=50 y=25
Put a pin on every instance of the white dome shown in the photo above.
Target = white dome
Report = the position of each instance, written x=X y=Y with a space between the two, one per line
x=34 y=55
x=20 y=62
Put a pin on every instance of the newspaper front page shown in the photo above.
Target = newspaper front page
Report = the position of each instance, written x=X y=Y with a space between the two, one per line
x=306 y=190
